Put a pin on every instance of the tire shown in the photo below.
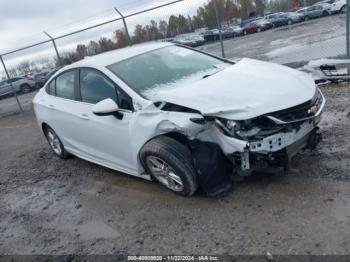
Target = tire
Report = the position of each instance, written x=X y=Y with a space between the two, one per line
x=258 y=30
x=307 y=18
x=290 y=22
x=343 y=9
x=244 y=32
x=25 y=88
x=55 y=143
x=170 y=163
x=325 y=14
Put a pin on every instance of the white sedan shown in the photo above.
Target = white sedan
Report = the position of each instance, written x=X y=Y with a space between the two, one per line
x=338 y=6
x=182 y=117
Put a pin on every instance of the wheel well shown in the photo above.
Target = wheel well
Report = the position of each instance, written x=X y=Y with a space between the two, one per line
x=181 y=138
x=44 y=126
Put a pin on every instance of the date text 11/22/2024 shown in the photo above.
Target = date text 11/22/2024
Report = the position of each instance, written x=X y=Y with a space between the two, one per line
x=173 y=258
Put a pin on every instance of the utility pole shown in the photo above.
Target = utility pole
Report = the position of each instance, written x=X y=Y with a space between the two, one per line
x=13 y=89
x=125 y=26
x=218 y=22
x=347 y=29
x=56 y=50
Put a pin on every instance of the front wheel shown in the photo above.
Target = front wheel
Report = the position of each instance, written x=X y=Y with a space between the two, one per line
x=170 y=163
x=343 y=9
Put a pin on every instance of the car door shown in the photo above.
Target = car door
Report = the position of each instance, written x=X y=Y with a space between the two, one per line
x=321 y=9
x=15 y=83
x=60 y=107
x=5 y=88
x=314 y=11
x=318 y=11
x=104 y=138
x=251 y=27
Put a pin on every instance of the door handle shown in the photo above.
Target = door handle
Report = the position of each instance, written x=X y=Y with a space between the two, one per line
x=84 y=116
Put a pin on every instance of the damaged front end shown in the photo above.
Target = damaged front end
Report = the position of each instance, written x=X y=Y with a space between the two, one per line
x=268 y=142
x=224 y=149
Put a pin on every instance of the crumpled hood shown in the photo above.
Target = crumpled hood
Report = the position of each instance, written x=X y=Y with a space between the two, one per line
x=248 y=89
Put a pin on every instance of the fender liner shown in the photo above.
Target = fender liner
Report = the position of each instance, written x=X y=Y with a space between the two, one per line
x=213 y=169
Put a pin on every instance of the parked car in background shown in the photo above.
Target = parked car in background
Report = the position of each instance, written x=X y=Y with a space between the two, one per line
x=317 y=11
x=185 y=125
x=41 y=78
x=294 y=18
x=278 y=19
x=338 y=6
x=302 y=13
x=214 y=34
x=227 y=32
x=247 y=21
x=19 y=84
x=237 y=30
x=208 y=36
x=192 y=40
x=5 y=88
x=257 y=26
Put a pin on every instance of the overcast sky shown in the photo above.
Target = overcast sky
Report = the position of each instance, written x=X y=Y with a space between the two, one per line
x=22 y=22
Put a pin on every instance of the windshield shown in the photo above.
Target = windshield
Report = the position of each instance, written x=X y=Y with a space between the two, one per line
x=164 y=67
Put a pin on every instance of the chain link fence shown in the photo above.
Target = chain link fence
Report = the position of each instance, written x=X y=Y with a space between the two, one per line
x=281 y=31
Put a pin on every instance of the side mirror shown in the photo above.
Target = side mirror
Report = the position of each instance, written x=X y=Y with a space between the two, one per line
x=107 y=107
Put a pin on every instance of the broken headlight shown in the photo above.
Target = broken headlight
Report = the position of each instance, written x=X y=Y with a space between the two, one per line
x=240 y=129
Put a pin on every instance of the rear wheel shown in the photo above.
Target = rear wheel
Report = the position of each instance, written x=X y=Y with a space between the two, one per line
x=55 y=143
x=25 y=88
x=343 y=9
x=245 y=32
x=307 y=18
x=325 y=13
x=170 y=163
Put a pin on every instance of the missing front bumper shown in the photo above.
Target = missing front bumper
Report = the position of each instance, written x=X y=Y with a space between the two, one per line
x=278 y=160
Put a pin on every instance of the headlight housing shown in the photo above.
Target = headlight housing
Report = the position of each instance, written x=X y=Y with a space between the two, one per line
x=317 y=99
x=239 y=129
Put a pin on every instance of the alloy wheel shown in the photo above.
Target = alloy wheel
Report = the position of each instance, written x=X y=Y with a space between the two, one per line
x=26 y=89
x=54 y=142
x=164 y=173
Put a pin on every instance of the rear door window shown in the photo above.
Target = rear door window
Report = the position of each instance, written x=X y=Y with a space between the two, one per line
x=52 y=88
x=65 y=85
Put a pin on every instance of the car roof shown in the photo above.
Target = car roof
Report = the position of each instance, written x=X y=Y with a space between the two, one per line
x=115 y=56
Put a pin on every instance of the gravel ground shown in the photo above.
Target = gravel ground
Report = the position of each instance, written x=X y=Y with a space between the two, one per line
x=52 y=206
x=9 y=106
